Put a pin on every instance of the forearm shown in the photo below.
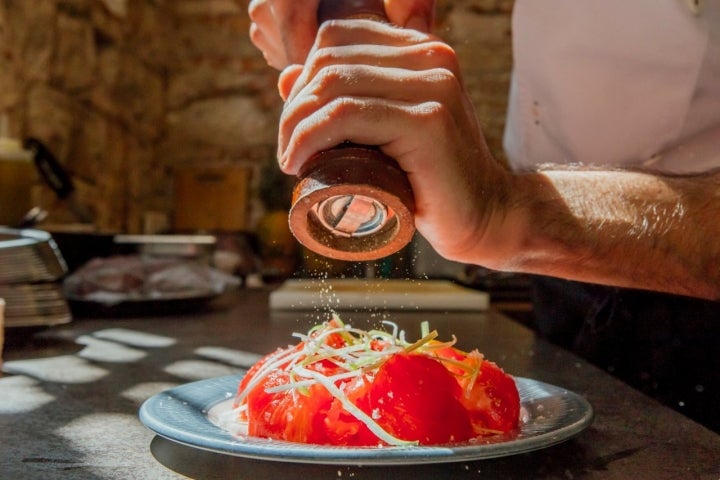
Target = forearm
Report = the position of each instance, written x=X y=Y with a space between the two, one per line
x=620 y=228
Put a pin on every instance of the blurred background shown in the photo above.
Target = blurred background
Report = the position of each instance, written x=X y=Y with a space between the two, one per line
x=164 y=117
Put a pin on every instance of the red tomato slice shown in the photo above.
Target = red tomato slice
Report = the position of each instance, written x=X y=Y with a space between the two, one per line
x=412 y=396
x=288 y=415
x=493 y=402
x=341 y=426
x=415 y=398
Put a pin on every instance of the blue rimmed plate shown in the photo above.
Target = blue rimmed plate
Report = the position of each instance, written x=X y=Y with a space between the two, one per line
x=182 y=414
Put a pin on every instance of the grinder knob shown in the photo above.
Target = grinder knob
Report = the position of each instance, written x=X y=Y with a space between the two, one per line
x=339 y=9
x=352 y=202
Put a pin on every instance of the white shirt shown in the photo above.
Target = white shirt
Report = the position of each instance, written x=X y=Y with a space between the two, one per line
x=615 y=82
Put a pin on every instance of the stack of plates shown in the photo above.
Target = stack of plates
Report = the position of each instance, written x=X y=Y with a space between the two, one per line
x=30 y=270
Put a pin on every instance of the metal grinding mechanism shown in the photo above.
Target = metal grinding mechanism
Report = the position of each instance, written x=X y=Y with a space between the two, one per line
x=352 y=202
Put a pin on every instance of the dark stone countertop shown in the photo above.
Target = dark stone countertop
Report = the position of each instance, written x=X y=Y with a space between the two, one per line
x=69 y=398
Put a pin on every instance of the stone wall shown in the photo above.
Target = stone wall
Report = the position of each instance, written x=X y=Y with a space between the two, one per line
x=125 y=91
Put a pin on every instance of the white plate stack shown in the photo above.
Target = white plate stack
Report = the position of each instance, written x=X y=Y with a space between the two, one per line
x=31 y=268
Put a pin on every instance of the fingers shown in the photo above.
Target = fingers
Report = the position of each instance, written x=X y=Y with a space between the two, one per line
x=354 y=42
x=388 y=107
x=331 y=93
x=352 y=81
x=274 y=54
x=359 y=120
x=288 y=78
x=298 y=28
x=264 y=33
x=365 y=32
x=284 y=30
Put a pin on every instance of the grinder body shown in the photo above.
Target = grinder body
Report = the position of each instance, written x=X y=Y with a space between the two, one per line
x=352 y=202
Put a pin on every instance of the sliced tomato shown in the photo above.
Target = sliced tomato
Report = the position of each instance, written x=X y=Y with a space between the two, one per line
x=342 y=427
x=288 y=415
x=493 y=402
x=490 y=397
x=263 y=361
x=418 y=397
x=415 y=398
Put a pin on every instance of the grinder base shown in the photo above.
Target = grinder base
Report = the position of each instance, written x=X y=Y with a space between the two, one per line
x=344 y=173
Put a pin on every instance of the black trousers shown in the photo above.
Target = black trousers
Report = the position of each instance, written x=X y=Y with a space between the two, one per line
x=664 y=345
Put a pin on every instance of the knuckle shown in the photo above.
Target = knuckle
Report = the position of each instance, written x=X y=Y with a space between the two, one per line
x=326 y=77
x=431 y=109
x=323 y=57
x=332 y=77
x=443 y=81
x=432 y=113
x=256 y=34
x=328 y=32
x=342 y=106
x=443 y=54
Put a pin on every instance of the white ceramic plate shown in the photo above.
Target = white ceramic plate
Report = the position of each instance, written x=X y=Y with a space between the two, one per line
x=553 y=415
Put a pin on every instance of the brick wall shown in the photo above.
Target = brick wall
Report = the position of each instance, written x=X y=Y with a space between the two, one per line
x=125 y=91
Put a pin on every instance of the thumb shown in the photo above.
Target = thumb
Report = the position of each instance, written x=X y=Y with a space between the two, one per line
x=414 y=14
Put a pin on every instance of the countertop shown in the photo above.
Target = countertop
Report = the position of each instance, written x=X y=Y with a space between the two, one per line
x=70 y=395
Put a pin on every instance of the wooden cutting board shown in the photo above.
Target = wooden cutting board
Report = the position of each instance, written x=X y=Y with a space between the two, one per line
x=392 y=294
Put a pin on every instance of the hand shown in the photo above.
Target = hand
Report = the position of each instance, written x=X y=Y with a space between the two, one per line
x=375 y=84
x=284 y=30
x=401 y=90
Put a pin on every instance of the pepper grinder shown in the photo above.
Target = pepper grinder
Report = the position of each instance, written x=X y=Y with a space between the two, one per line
x=352 y=202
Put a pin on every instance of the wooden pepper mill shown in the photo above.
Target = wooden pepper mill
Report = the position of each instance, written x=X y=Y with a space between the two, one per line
x=352 y=202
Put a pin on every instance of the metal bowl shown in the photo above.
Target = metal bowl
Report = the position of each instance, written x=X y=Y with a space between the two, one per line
x=28 y=256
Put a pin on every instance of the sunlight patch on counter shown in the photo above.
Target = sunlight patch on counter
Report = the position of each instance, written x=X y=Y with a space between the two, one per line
x=142 y=391
x=21 y=394
x=198 y=369
x=89 y=434
x=62 y=369
x=134 y=338
x=107 y=351
x=238 y=358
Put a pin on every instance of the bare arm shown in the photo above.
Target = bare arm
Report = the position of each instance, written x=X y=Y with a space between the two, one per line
x=621 y=228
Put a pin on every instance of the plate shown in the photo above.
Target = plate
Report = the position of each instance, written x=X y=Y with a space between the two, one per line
x=552 y=415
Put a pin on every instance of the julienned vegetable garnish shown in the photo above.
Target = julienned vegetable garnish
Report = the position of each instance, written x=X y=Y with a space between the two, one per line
x=345 y=386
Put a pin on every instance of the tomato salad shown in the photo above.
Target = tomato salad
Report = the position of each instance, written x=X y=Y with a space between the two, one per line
x=349 y=387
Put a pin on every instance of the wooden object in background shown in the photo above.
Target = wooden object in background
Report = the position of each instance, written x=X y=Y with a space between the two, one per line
x=211 y=198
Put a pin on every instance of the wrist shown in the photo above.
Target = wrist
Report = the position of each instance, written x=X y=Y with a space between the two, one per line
x=499 y=228
x=508 y=236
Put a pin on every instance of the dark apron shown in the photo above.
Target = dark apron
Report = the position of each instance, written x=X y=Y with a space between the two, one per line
x=664 y=345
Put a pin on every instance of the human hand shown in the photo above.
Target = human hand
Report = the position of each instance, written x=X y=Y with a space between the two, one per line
x=284 y=30
x=400 y=89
